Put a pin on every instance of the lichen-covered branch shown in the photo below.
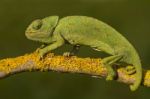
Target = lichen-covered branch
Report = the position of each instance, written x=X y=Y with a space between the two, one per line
x=90 y=66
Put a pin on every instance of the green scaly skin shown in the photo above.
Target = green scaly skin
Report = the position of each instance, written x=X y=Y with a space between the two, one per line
x=82 y=30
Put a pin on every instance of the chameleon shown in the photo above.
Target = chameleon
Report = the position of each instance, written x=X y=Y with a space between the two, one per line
x=83 y=30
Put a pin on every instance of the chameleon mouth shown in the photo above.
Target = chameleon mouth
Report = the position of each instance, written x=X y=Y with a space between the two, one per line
x=32 y=37
x=30 y=34
x=36 y=35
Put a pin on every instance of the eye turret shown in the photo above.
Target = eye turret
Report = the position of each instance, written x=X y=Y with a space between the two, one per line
x=37 y=24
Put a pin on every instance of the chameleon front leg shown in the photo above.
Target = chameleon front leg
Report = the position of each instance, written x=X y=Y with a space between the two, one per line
x=108 y=62
x=74 y=51
x=50 y=47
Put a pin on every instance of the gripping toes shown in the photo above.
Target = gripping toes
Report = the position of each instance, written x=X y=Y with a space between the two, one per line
x=67 y=54
x=111 y=74
x=108 y=62
x=41 y=53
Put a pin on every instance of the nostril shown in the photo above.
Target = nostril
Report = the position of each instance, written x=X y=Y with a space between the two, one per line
x=37 y=24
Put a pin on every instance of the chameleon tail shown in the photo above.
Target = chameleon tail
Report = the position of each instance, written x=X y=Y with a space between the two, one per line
x=138 y=76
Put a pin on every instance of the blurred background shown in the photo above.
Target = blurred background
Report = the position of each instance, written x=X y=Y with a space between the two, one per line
x=129 y=17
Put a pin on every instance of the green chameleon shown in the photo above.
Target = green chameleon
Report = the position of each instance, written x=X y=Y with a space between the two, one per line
x=83 y=30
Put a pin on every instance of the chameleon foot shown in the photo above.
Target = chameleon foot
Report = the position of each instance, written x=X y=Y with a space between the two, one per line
x=38 y=50
x=110 y=77
x=41 y=53
x=111 y=74
x=67 y=54
x=108 y=63
x=130 y=70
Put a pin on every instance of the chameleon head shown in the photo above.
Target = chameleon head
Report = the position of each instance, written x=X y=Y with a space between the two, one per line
x=41 y=29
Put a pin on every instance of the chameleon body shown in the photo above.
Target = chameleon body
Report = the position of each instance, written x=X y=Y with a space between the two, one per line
x=83 y=30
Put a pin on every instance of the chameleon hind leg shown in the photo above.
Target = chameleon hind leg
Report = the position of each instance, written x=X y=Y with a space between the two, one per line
x=108 y=62
x=74 y=51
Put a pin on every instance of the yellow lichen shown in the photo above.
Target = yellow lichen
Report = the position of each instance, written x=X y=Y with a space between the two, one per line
x=7 y=65
x=91 y=66
x=147 y=79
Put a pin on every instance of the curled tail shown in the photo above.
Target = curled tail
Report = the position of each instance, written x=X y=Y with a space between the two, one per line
x=138 y=76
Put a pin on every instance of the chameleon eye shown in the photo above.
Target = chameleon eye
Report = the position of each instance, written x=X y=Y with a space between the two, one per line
x=37 y=24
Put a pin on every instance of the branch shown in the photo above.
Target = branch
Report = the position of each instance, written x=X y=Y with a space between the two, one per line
x=90 y=66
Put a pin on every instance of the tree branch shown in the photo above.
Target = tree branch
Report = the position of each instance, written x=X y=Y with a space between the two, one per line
x=90 y=66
